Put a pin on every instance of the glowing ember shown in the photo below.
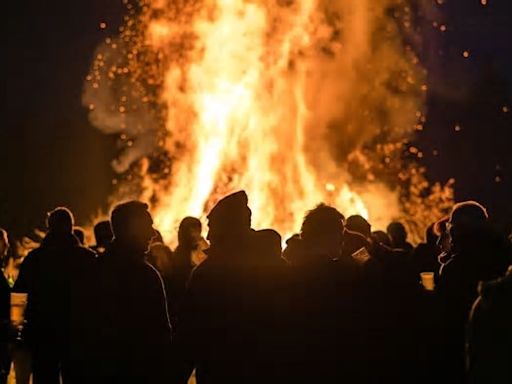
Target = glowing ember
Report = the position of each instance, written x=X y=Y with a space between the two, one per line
x=272 y=97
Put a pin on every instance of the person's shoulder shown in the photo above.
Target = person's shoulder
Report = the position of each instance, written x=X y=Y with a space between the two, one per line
x=356 y=238
x=150 y=273
x=497 y=290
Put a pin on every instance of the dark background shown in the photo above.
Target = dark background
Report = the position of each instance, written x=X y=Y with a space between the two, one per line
x=52 y=156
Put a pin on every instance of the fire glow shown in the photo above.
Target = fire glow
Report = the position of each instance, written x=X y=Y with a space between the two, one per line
x=268 y=96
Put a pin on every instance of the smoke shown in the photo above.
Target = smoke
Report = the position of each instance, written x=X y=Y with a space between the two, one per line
x=118 y=105
x=275 y=97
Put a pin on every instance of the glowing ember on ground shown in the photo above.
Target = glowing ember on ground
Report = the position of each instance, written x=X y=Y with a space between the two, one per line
x=274 y=97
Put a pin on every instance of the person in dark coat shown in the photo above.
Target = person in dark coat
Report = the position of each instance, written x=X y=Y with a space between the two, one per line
x=189 y=241
x=489 y=337
x=328 y=265
x=55 y=276
x=135 y=333
x=478 y=254
x=5 y=300
x=226 y=312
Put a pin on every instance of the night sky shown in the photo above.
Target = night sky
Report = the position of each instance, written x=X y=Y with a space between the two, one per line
x=51 y=155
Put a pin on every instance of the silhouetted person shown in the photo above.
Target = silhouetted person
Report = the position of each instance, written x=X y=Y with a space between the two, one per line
x=135 y=337
x=381 y=237
x=268 y=242
x=325 y=287
x=358 y=224
x=5 y=300
x=103 y=236
x=489 y=352
x=398 y=235
x=224 y=322
x=426 y=254
x=189 y=242
x=55 y=277
x=478 y=254
x=80 y=235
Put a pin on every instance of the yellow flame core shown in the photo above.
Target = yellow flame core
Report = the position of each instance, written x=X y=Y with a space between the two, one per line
x=241 y=105
x=276 y=97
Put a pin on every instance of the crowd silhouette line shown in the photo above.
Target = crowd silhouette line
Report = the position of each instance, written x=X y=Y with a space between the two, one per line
x=341 y=303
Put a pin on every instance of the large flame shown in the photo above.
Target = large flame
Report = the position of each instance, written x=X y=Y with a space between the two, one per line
x=270 y=96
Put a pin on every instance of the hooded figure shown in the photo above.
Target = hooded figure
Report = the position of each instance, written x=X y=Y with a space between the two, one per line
x=224 y=322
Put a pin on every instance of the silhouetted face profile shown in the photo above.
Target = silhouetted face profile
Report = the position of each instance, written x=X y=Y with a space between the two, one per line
x=132 y=226
x=465 y=219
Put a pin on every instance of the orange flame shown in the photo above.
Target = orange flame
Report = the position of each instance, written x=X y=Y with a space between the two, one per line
x=249 y=115
x=270 y=96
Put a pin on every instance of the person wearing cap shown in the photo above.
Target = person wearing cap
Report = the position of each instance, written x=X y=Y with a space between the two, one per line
x=478 y=253
x=222 y=332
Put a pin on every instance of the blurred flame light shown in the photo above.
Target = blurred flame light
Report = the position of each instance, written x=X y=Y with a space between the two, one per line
x=270 y=96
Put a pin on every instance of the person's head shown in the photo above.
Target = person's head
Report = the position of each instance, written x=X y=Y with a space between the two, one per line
x=132 y=225
x=357 y=223
x=397 y=233
x=4 y=243
x=79 y=234
x=189 y=232
x=381 y=237
x=323 y=225
x=103 y=233
x=230 y=217
x=269 y=241
x=60 y=221
x=466 y=218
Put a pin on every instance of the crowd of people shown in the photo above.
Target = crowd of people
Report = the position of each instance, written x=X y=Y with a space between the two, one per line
x=339 y=304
